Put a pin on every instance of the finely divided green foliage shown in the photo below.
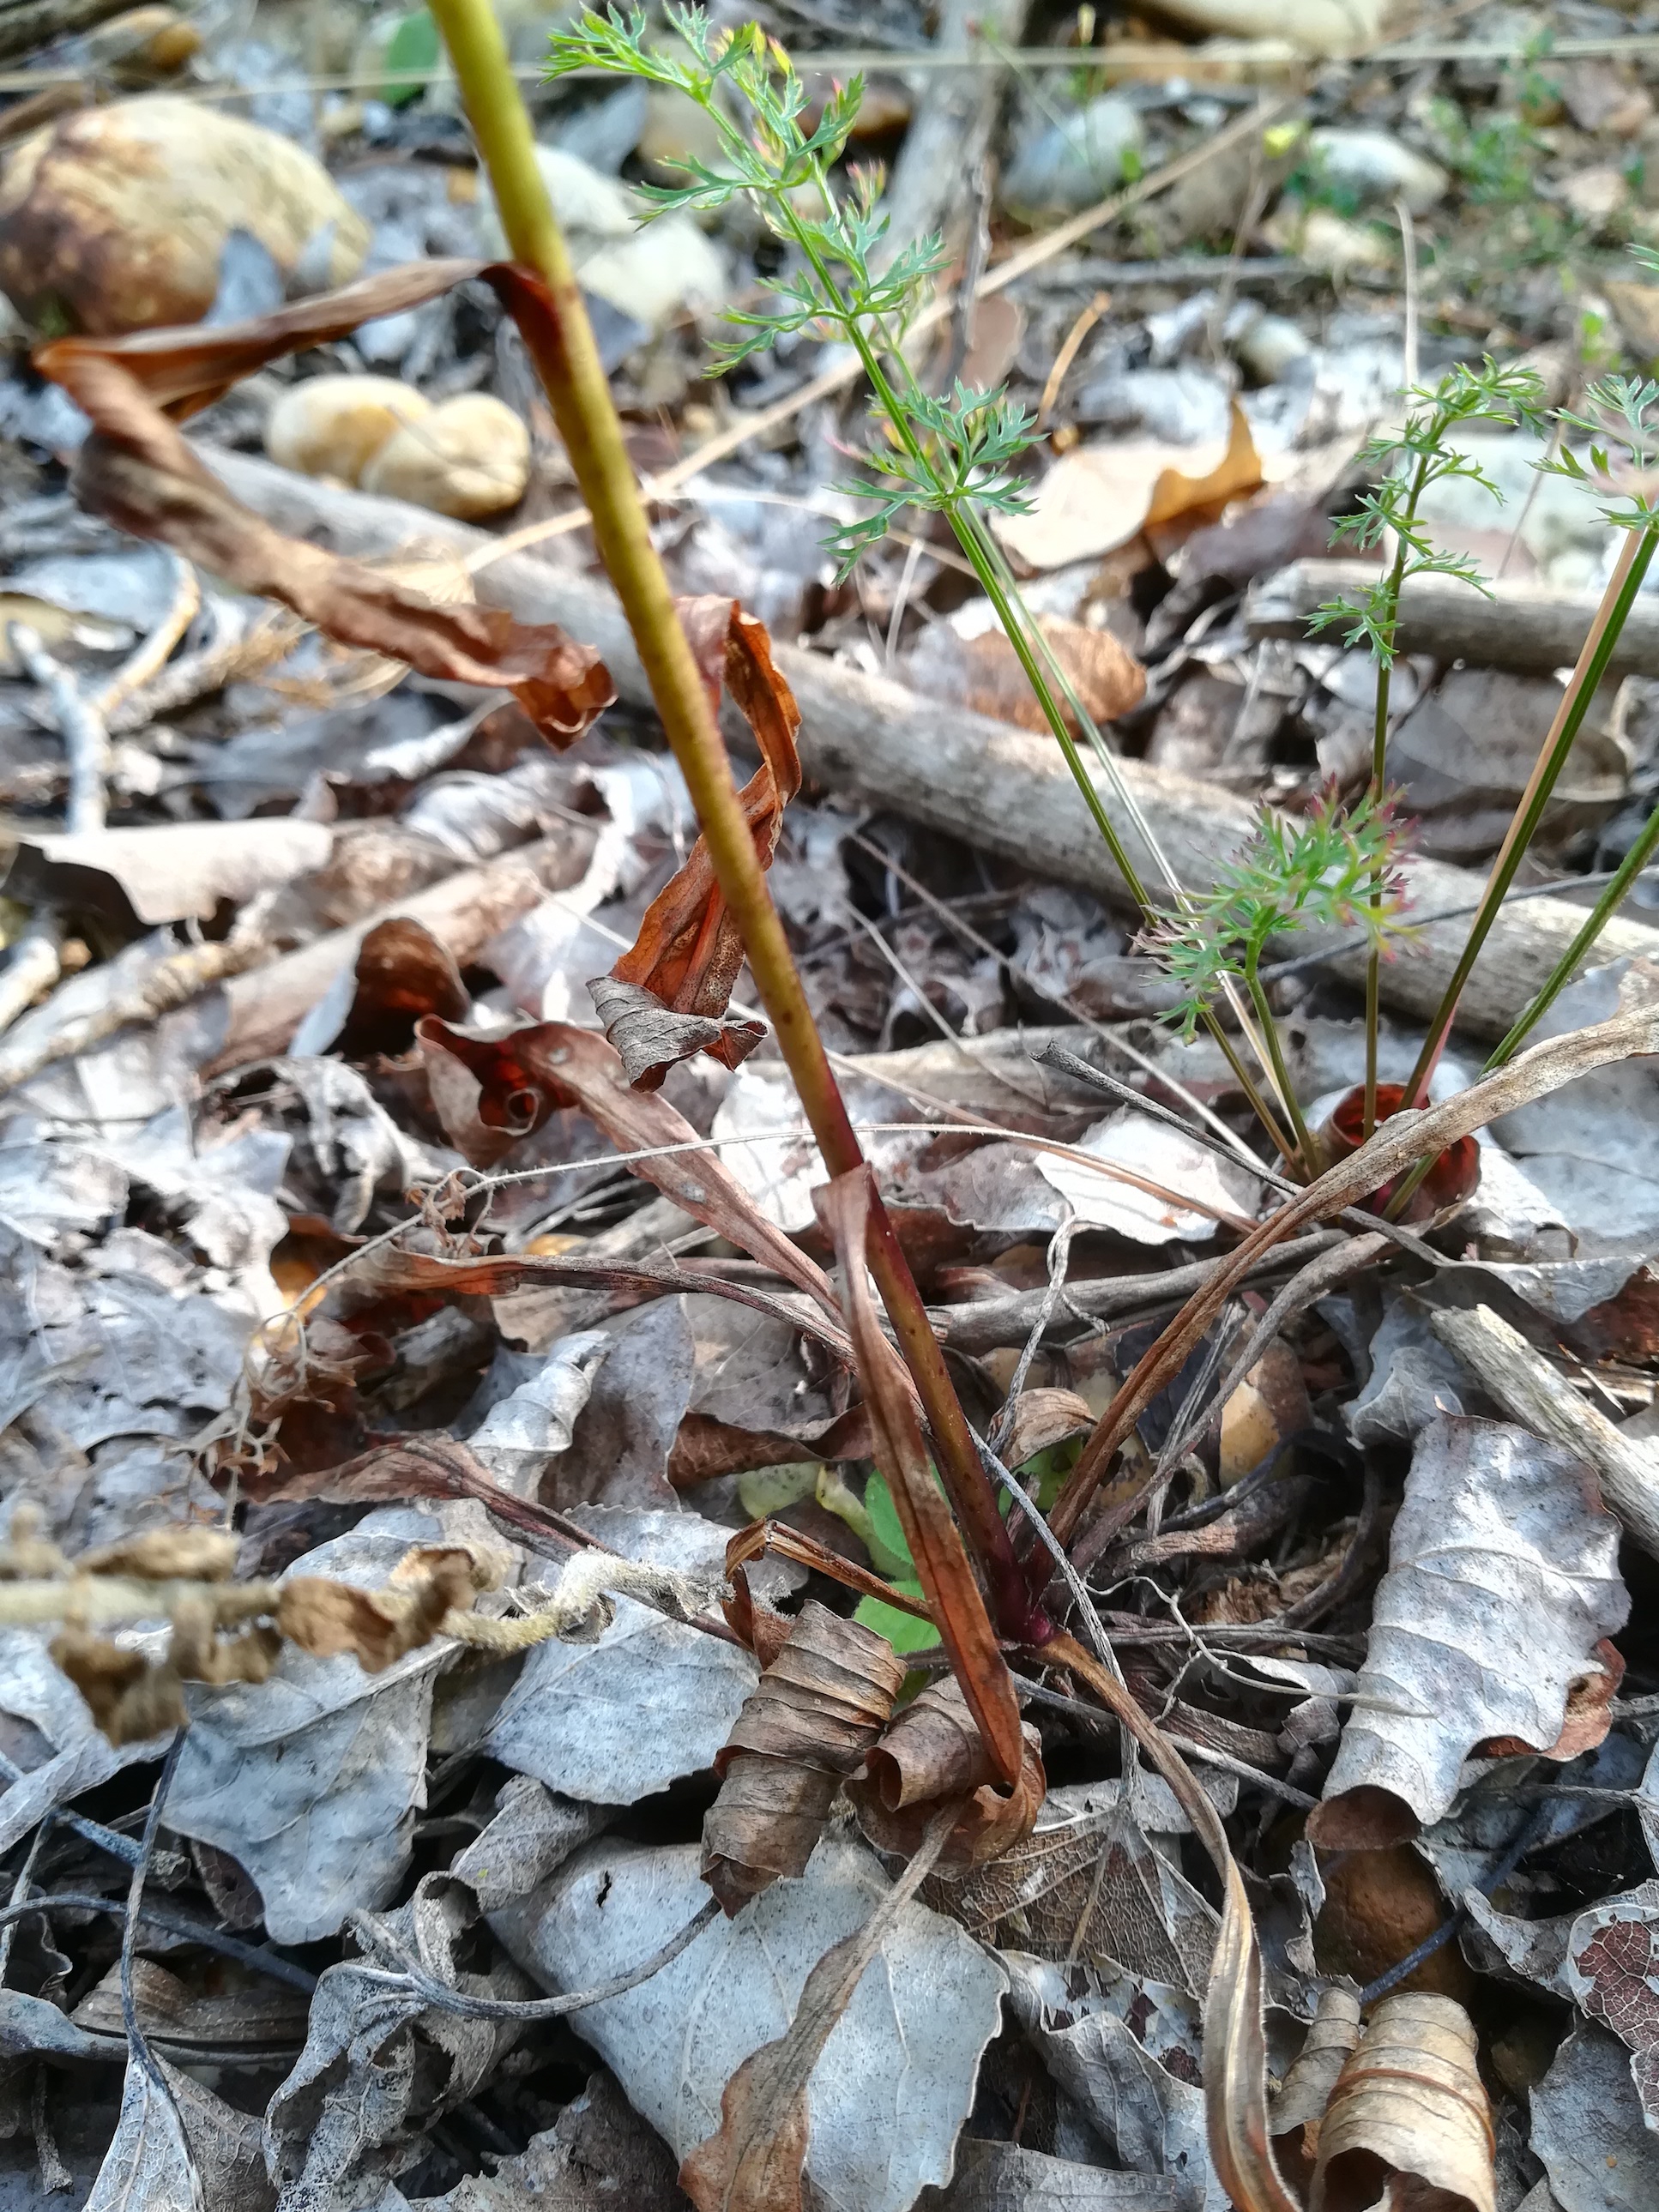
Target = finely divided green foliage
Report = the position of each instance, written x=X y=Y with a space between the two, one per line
x=1621 y=411
x=1332 y=870
x=947 y=454
x=1408 y=461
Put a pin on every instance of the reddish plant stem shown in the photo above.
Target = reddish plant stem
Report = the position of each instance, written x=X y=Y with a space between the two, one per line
x=560 y=340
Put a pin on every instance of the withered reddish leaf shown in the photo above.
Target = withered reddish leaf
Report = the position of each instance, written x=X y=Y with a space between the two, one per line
x=953 y=1596
x=934 y=1753
x=556 y=1064
x=705 y=1447
x=680 y=971
x=403 y=972
x=777 y=1537
x=387 y=1268
x=804 y=1730
x=137 y=469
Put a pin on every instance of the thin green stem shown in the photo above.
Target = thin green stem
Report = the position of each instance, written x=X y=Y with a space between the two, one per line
x=1600 y=914
x=1617 y=600
x=1307 y=1150
x=561 y=341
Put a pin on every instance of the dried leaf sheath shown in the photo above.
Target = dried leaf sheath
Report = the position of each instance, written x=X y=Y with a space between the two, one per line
x=666 y=998
x=818 y=1708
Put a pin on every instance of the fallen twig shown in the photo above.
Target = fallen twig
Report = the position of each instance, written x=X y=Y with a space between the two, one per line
x=1004 y=790
x=80 y=724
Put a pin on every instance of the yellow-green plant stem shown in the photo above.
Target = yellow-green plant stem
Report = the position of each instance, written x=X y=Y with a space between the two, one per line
x=1617 y=600
x=1307 y=1150
x=1562 y=974
x=1029 y=646
x=580 y=394
x=1379 y=760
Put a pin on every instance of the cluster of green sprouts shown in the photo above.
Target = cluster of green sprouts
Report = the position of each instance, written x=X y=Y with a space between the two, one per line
x=958 y=455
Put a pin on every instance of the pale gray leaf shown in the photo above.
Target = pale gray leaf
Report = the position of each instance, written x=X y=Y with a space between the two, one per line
x=1588 y=2128
x=896 y=2077
x=1503 y=1578
x=1150 y=2116
x=598 y=2157
x=532 y=1834
x=520 y=1436
x=311 y=1780
x=1005 y=2176
x=613 y=1722
x=148 y=2167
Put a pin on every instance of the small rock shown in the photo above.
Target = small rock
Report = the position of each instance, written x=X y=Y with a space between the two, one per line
x=1596 y=196
x=1270 y=345
x=469 y=457
x=142 y=45
x=1069 y=164
x=1374 y=165
x=1331 y=28
x=1325 y=241
x=649 y=273
x=1636 y=306
x=1602 y=98
x=115 y=218
x=333 y=426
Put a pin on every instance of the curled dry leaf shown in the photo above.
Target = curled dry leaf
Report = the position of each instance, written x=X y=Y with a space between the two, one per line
x=932 y=1752
x=1502 y=1579
x=1408 y=2113
x=819 y=1708
x=1039 y=1419
x=139 y=471
x=941 y=1562
x=1300 y=2108
x=666 y=998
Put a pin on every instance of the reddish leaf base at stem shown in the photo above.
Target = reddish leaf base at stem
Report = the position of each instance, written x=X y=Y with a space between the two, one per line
x=1449 y=1181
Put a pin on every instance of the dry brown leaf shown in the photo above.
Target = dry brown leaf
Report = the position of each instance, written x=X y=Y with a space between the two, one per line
x=130 y=1697
x=819 y=1708
x=666 y=998
x=1096 y=498
x=1040 y=1419
x=183 y=1554
x=137 y=470
x=932 y=1752
x=1092 y=1887
x=954 y=1599
x=403 y=972
x=1408 y=2110
x=1235 y=2043
x=985 y=672
x=378 y=1626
